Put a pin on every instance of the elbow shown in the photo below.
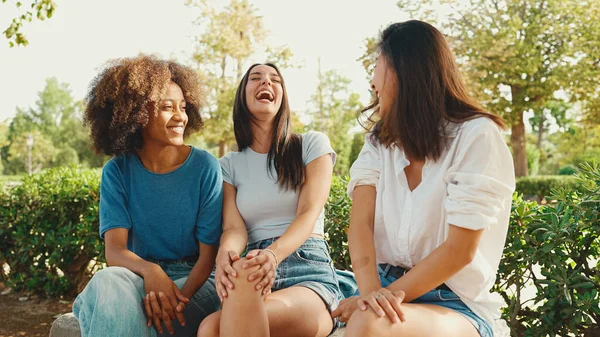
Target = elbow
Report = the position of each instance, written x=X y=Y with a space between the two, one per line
x=462 y=256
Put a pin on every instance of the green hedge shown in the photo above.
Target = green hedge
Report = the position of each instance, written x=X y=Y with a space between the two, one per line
x=49 y=231
x=49 y=236
x=543 y=186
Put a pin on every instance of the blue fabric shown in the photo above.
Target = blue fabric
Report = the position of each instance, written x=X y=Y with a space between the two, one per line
x=444 y=298
x=111 y=304
x=166 y=214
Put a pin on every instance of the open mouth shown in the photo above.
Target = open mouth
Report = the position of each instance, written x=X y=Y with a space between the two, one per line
x=265 y=96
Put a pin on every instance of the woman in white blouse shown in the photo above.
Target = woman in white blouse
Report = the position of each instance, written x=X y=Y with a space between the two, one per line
x=431 y=190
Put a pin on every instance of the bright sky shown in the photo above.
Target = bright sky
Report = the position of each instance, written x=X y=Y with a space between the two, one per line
x=83 y=34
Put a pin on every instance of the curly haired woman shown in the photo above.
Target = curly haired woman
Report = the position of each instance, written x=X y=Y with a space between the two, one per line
x=160 y=203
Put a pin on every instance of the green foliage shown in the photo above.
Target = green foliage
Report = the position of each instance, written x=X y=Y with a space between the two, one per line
x=337 y=221
x=533 y=159
x=543 y=186
x=49 y=230
x=334 y=108
x=568 y=170
x=357 y=143
x=556 y=249
x=41 y=9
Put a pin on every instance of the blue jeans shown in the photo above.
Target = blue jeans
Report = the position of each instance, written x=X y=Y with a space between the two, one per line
x=444 y=298
x=111 y=304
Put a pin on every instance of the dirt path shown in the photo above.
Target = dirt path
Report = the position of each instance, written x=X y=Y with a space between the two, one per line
x=32 y=317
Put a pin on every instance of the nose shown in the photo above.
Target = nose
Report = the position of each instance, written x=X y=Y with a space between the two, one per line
x=266 y=80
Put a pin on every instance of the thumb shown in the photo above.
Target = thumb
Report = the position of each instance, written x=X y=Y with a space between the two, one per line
x=179 y=295
x=233 y=256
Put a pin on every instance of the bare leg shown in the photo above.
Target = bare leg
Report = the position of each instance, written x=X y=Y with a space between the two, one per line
x=421 y=320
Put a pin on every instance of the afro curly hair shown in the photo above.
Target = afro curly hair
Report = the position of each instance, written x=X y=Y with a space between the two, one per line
x=124 y=95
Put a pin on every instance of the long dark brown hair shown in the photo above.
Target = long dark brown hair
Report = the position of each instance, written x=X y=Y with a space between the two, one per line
x=285 y=153
x=430 y=94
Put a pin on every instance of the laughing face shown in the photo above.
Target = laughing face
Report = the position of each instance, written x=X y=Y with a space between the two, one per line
x=264 y=92
x=168 y=126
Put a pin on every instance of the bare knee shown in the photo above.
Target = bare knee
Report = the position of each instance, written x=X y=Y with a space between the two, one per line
x=210 y=326
x=363 y=323
x=243 y=273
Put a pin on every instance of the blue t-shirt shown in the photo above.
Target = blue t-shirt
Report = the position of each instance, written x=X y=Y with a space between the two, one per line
x=166 y=214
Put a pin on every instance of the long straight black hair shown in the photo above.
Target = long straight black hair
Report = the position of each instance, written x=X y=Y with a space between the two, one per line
x=430 y=93
x=285 y=153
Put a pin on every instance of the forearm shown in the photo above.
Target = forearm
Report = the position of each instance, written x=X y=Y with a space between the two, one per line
x=198 y=275
x=435 y=269
x=296 y=234
x=234 y=239
x=361 y=240
x=362 y=254
x=122 y=257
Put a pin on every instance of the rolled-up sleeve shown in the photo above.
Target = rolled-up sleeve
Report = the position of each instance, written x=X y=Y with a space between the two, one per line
x=481 y=180
x=367 y=167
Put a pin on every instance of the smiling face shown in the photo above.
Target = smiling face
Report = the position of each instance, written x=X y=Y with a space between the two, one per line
x=385 y=85
x=168 y=126
x=264 y=92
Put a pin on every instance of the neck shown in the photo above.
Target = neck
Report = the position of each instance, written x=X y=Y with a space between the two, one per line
x=159 y=158
x=262 y=132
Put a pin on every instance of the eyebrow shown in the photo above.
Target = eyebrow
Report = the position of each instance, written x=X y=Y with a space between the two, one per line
x=168 y=99
x=260 y=73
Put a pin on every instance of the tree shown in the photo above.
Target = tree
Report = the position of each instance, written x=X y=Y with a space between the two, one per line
x=334 y=108
x=230 y=37
x=554 y=110
x=42 y=9
x=516 y=54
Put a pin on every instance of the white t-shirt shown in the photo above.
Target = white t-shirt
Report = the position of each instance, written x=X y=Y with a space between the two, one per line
x=470 y=186
x=267 y=209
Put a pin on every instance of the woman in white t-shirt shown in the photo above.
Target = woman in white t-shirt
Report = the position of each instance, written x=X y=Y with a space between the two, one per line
x=274 y=191
x=432 y=190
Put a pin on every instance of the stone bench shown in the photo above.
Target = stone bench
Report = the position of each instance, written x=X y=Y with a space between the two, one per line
x=67 y=326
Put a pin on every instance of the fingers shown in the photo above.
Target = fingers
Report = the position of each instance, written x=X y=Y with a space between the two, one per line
x=372 y=302
x=167 y=305
x=227 y=268
x=269 y=285
x=265 y=281
x=252 y=253
x=167 y=321
x=226 y=281
x=261 y=272
x=179 y=295
x=220 y=291
x=384 y=302
x=254 y=261
x=337 y=312
x=156 y=312
x=148 y=310
x=396 y=300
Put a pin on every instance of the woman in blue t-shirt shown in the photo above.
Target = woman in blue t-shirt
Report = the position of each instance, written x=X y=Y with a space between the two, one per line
x=160 y=203
x=274 y=192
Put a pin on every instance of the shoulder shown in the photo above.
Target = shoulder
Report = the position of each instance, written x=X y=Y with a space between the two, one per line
x=314 y=137
x=480 y=126
x=205 y=161
x=116 y=165
x=230 y=158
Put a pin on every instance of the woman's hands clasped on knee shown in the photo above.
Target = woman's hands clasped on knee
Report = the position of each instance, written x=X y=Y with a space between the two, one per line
x=163 y=302
x=267 y=260
x=224 y=271
x=384 y=302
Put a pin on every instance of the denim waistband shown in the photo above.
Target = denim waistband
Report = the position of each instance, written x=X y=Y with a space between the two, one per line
x=397 y=272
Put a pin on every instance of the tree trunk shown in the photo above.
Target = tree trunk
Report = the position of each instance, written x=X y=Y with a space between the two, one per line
x=517 y=142
x=541 y=130
x=222 y=148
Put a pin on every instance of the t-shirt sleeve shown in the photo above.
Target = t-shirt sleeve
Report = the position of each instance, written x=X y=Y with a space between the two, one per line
x=481 y=180
x=366 y=168
x=113 y=200
x=209 y=220
x=314 y=145
x=227 y=169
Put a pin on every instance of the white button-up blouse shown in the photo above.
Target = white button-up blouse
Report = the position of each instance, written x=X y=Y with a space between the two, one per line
x=469 y=186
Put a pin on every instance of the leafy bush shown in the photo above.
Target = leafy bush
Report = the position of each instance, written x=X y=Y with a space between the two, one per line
x=567 y=170
x=556 y=249
x=337 y=221
x=49 y=231
x=542 y=186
